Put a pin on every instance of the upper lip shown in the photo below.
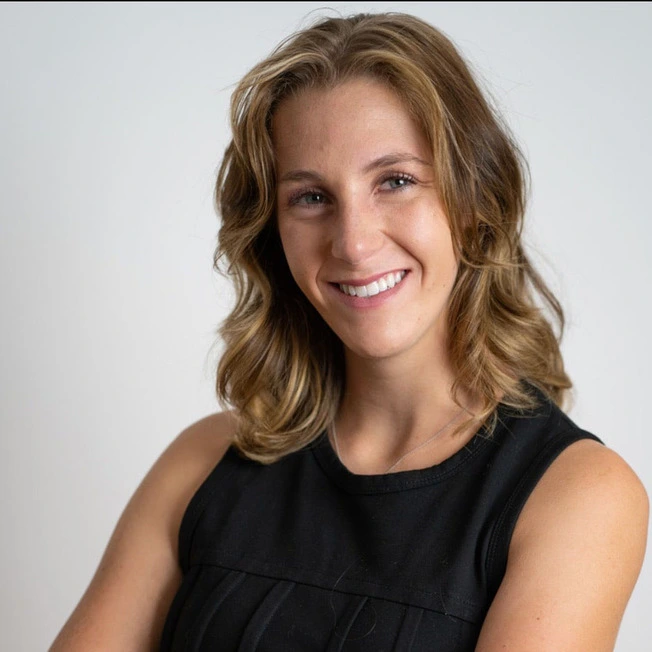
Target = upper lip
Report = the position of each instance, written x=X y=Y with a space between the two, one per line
x=358 y=282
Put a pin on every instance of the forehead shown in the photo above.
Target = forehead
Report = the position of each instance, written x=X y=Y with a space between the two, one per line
x=353 y=122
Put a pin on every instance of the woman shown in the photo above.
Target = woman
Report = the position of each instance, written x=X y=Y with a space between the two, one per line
x=396 y=472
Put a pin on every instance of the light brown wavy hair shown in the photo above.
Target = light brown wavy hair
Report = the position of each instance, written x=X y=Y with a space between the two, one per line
x=282 y=368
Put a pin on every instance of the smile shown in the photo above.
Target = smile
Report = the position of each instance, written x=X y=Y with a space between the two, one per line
x=384 y=283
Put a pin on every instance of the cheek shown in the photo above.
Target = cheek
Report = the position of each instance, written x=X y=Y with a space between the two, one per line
x=448 y=257
x=297 y=255
x=431 y=242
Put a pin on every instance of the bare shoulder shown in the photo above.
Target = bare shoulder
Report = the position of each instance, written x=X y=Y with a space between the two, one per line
x=212 y=431
x=588 y=483
x=186 y=463
x=196 y=450
x=574 y=558
x=126 y=602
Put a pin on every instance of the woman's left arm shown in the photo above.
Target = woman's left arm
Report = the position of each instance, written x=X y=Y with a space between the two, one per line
x=574 y=557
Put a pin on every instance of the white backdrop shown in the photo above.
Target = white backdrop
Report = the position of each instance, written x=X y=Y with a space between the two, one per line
x=112 y=124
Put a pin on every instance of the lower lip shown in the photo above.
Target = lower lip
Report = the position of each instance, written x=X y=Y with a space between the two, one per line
x=368 y=302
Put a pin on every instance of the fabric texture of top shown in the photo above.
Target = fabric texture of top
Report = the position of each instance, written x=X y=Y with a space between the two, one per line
x=304 y=555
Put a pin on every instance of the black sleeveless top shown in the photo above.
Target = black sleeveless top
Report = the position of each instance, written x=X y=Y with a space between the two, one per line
x=304 y=555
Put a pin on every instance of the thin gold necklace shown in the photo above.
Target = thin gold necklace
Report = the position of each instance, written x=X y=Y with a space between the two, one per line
x=400 y=459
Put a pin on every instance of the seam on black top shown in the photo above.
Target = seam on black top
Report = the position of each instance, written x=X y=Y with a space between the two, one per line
x=283 y=578
x=278 y=572
x=434 y=476
x=194 y=511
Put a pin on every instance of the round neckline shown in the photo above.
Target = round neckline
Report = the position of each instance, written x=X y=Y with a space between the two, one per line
x=401 y=480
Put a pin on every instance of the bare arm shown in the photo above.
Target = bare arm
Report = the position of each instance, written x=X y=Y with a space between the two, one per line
x=574 y=559
x=125 y=605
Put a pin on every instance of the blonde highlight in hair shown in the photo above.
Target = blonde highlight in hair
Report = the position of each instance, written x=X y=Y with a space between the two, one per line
x=282 y=367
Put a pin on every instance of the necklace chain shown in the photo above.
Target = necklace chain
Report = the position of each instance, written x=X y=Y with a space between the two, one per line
x=413 y=450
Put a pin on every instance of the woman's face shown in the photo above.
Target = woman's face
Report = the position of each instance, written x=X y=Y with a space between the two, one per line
x=360 y=220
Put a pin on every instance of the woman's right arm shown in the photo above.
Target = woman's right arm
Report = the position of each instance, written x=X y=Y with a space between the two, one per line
x=126 y=603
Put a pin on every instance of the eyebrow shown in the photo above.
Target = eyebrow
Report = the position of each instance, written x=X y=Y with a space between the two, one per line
x=394 y=158
x=382 y=162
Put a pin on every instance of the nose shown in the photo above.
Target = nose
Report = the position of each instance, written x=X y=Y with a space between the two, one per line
x=357 y=233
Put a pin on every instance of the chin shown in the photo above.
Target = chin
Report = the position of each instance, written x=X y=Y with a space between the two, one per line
x=375 y=350
x=386 y=344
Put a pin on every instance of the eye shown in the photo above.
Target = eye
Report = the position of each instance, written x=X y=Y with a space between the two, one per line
x=398 y=181
x=307 y=198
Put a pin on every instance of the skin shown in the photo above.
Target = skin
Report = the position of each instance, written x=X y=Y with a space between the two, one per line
x=344 y=215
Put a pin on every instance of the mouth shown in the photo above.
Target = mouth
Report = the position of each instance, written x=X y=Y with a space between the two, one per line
x=382 y=284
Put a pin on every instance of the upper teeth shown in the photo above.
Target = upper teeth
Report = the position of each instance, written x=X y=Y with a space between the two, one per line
x=384 y=283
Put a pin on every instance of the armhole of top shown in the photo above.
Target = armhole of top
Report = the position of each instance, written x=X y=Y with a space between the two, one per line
x=195 y=509
x=506 y=522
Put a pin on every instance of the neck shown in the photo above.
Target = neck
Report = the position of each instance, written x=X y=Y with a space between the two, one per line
x=391 y=406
